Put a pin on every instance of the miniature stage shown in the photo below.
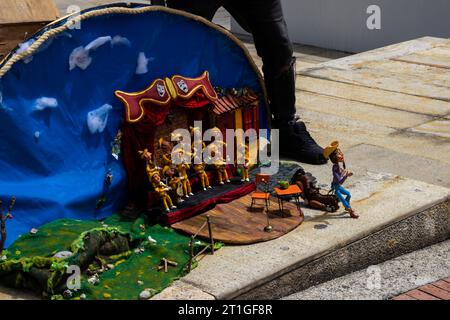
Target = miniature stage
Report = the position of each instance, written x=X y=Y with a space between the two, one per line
x=205 y=200
x=235 y=223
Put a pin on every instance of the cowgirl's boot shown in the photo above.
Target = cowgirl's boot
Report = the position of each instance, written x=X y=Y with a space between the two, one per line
x=353 y=213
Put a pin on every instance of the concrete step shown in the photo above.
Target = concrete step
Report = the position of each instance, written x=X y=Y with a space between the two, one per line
x=385 y=280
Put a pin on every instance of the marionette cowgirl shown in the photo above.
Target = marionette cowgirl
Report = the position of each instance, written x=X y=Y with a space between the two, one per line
x=340 y=174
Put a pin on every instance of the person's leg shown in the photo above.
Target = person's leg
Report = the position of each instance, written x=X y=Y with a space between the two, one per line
x=265 y=20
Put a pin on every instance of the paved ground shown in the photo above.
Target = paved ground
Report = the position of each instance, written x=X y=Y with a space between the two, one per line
x=390 y=278
x=439 y=290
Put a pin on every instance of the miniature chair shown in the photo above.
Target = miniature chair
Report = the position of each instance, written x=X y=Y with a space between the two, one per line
x=259 y=194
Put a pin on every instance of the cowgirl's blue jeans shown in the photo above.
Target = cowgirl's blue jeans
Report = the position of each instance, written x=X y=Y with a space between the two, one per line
x=340 y=192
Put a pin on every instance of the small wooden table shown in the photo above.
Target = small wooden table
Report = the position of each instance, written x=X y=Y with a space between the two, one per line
x=293 y=191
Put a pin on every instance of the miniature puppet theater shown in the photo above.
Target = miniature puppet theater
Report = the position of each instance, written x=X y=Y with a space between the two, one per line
x=151 y=117
x=87 y=111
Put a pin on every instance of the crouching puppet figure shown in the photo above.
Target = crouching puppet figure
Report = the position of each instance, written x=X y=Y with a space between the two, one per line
x=182 y=170
x=175 y=184
x=161 y=189
x=340 y=174
x=199 y=169
x=219 y=164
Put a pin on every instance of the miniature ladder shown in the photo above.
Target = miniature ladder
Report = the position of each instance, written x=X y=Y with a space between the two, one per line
x=191 y=243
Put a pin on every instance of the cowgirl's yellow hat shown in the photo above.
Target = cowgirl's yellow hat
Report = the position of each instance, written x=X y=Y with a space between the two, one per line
x=330 y=149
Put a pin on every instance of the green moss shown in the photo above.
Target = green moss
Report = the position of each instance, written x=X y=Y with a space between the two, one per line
x=78 y=244
x=51 y=238
x=132 y=272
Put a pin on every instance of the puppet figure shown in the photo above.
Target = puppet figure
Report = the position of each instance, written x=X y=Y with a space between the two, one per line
x=217 y=131
x=161 y=189
x=312 y=194
x=150 y=165
x=199 y=169
x=221 y=169
x=166 y=148
x=182 y=170
x=340 y=174
x=195 y=132
x=245 y=168
x=219 y=165
x=175 y=183
x=177 y=139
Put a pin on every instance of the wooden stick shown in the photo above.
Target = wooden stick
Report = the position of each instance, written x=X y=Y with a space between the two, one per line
x=201 y=228
x=166 y=267
x=172 y=263
x=211 y=239
x=11 y=206
x=191 y=253
x=2 y=227
x=201 y=252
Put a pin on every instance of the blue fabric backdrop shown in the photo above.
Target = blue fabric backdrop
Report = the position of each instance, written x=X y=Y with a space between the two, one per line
x=60 y=174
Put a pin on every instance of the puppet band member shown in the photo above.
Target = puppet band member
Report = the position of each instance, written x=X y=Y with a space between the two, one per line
x=219 y=164
x=174 y=183
x=245 y=168
x=182 y=169
x=200 y=170
x=161 y=190
x=336 y=156
x=222 y=172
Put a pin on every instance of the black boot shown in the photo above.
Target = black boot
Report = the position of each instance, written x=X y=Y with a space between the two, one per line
x=295 y=141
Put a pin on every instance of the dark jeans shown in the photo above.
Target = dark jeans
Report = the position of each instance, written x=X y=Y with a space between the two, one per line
x=265 y=20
